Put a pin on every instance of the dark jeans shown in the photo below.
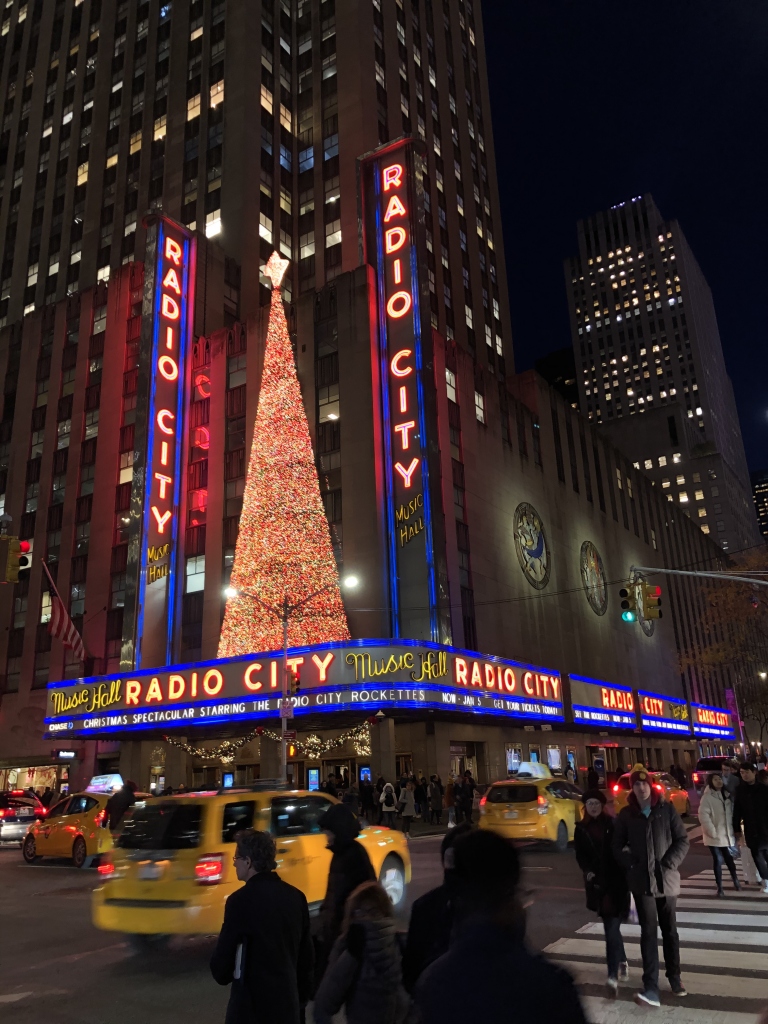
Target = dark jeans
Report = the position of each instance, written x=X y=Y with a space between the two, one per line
x=435 y=816
x=653 y=911
x=760 y=857
x=720 y=854
x=614 y=945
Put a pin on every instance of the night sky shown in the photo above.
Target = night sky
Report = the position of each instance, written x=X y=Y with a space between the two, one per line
x=596 y=101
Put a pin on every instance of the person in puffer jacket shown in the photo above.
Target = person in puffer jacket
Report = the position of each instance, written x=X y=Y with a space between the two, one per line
x=364 y=973
x=716 y=817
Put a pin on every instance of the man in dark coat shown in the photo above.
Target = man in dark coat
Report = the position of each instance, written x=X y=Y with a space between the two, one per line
x=650 y=842
x=119 y=802
x=750 y=809
x=350 y=867
x=265 y=946
x=429 y=931
x=489 y=973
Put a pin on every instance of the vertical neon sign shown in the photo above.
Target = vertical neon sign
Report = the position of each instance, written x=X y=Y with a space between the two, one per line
x=153 y=552
x=391 y=198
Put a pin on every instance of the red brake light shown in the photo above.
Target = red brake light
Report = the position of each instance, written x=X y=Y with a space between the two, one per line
x=482 y=800
x=660 y=788
x=209 y=869
x=616 y=789
x=17 y=792
x=542 y=801
x=4 y=812
x=106 y=868
x=101 y=816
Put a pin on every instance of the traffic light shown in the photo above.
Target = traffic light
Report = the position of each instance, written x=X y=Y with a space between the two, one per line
x=15 y=559
x=651 y=601
x=294 y=682
x=628 y=604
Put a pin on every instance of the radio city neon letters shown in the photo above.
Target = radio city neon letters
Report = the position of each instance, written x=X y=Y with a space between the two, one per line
x=617 y=700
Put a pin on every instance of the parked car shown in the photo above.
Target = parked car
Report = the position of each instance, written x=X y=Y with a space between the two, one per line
x=18 y=809
x=705 y=767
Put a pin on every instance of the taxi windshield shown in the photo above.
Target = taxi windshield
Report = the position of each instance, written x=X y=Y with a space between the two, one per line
x=170 y=826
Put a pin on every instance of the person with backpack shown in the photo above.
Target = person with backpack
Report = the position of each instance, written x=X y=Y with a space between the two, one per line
x=388 y=803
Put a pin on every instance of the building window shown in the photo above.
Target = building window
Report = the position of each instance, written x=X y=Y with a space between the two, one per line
x=118 y=590
x=682 y=497
x=195 y=574
x=450 y=384
x=77 y=600
x=479 y=407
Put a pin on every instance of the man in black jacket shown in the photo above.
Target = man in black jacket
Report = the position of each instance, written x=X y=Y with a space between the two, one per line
x=650 y=842
x=750 y=808
x=265 y=946
x=119 y=802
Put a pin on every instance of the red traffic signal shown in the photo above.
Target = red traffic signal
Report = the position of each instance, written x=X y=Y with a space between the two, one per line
x=24 y=546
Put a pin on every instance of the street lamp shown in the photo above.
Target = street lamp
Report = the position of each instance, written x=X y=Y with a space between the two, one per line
x=763 y=675
x=283 y=612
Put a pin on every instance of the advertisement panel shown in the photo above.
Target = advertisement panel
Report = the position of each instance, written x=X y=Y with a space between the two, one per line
x=367 y=675
x=715 y=723
x=596 y=702
x=659 y=713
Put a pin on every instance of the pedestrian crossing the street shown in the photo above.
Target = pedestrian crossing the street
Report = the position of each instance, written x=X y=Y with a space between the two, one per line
x=723 y=952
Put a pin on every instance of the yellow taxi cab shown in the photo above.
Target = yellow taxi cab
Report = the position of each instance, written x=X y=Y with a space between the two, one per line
x=663 y=783
x=75 y=827
x=171 y=869
x=532 y=805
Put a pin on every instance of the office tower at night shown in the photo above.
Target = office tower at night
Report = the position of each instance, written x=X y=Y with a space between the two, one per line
x=760 y=493
x=646 y=341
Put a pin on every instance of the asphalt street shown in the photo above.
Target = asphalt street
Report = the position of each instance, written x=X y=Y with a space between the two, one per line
x=57 y=967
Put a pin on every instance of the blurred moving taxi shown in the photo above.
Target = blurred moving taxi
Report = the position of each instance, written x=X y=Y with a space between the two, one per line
x=75 y=827
x=18 y=809
x=532 y=805
x=171 y=869
x=663 y=783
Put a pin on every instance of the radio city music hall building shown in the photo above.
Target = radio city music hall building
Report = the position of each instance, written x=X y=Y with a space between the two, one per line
x=478 y=511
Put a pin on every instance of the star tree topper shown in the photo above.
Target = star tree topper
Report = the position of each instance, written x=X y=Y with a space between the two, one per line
x=275 y=268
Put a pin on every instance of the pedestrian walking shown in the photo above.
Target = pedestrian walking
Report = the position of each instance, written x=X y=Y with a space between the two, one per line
x=378 y=789
x=407 y=806
x=489 y=933
x=264 y=950
x=435 y=798
x=364 y=974
x=119 y=802
x=750 y=810
x=467 y=796
x=731 y=777
x=350 y=867
x=420 y=798
x=388 y=804
x=47 y=796
x=593 y=779
x=650 y=842
x=351 y=799
x=605 y=882
x=716 y=819
x=367 y=805
x=570 y=773
x=429 y=930
x=449 y=801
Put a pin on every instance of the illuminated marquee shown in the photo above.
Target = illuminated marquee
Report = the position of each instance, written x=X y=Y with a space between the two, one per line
x=596 y=702
x=716 y=723
x=363 y=674
x=391 y=200
x=659 y=713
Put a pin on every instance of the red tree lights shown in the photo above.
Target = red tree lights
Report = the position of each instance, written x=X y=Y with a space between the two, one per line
x=284 y=550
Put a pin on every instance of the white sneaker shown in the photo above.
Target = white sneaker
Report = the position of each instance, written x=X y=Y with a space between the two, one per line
x=451 y=824
x=612 y=985
x=765 y=886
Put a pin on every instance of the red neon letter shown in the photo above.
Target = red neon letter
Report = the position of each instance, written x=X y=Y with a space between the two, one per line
x=394 y=209
x=163 y=453
x=460 y=671
x=323 y=664
x=202 y=438
x=509 y=680
x=173 y=251
x=249 y=683
x=398 y=270
x=394 y=239
x=293 y=664
x=164 y=481
x=169 y=308
x=406 y=474
x=395 y=364
x=399 y=304
x=403 y=429
x=212 y=688
x=527 y=676
x=169 y=339
x=393 y=176
x=161 y=519
x=176 y=687
x=490 y=677
x=153 y=691
x=203 y=384
x=171 y=280
x=403 y=399
x=168 y=367
x=132 y=691
x=162 y=416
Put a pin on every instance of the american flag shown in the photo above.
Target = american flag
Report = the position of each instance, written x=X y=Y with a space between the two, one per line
x=60 y=625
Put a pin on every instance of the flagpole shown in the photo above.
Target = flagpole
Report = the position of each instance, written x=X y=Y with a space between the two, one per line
x=58 y=597
x=50 y=579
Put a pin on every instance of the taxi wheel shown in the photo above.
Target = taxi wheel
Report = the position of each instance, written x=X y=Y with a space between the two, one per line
x=29 y=850
x=392 y=880
x=80 y=856
x=561 y=843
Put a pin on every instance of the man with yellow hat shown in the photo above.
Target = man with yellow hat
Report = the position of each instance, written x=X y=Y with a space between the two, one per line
x=650 y=842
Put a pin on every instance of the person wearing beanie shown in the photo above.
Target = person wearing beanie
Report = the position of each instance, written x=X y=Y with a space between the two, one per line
x=489 y=973
x=604 y=881
x=650 y=842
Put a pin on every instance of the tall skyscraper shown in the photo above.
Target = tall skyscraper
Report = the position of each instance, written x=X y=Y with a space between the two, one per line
x=760 y=493
x=646 y=340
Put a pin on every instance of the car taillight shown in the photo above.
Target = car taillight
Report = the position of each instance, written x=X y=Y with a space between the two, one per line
x=4 y=812
x=101 y=816
x=658 y=787
x=17 y=792
x=210 y=869
x=695 y=776
x=106 y=868
x=615 y=789
x=482 y=800
x=543 y=804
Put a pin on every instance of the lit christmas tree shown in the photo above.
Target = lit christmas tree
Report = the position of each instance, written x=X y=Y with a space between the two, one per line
x=284 y=551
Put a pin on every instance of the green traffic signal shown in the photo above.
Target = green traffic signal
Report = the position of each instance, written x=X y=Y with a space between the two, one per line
x=628 y=616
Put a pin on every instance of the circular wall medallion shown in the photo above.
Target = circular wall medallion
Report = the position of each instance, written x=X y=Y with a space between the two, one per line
x=593 y=578
x=531 y=546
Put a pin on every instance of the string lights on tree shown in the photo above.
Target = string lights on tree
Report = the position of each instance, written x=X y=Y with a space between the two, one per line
x=313 y=747
x=284 y=552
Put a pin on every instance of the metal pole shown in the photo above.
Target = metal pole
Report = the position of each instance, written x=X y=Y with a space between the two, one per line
x=284 y=721
x=685 y=572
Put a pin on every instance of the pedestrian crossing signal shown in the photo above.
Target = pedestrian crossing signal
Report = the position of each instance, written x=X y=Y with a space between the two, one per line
x=651 y=601
x=628 y=604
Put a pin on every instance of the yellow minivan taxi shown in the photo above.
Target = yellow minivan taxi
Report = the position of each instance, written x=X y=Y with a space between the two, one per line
x=663 y=783
x=75 y=827
x=532 y=805
x=171 y=869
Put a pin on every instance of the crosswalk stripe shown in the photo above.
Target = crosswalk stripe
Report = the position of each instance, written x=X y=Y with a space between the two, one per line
x=713 y=920
x=696 y=984
x=749 y=894
x=721 y=904
x=600 y=1010
x=690 y=956
x=709 y=936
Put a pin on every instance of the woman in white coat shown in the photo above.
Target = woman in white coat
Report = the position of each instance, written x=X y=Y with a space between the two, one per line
x=716 y=818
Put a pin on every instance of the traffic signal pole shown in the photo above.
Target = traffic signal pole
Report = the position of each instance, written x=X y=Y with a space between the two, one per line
x=692 y=572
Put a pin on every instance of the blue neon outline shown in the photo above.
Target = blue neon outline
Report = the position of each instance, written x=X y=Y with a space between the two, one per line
x=723 y=732
x=394 y=595
x=662 y=696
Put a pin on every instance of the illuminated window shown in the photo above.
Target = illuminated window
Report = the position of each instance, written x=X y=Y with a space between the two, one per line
x=217 y=94
x=677 y=457
x=193 y=107
x=699 y=495
x=649 y=463
x=479 y=407
x=45 y=608
x=680 y=479
x=682 y=497
x=194 y=574
x=450 y=384
x=662 y=460
x=77 y=599
x=702 y=513
x=619 y=480
x=82 y=173
x=705 y=527
x=665 y=483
